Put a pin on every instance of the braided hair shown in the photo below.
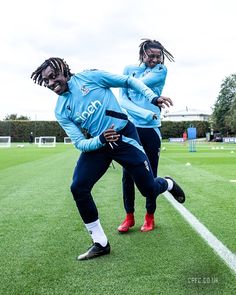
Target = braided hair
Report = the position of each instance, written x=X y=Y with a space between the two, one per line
x=148 y=44
x=57 y=64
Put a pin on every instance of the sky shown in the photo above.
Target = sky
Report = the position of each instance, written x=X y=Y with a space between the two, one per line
x=105 y=34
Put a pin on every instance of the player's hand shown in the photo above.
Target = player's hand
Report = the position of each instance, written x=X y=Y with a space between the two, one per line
x=164 y=101
x=111 y=135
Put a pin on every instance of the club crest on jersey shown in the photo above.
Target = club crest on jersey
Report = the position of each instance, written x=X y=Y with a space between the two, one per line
x=84 y=90
x=92 y=107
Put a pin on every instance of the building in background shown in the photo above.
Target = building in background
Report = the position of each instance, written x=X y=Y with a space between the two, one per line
x=186 y=115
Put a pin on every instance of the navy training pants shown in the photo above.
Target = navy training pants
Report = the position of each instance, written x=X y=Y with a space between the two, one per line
x=91 y=166
x=151 y=142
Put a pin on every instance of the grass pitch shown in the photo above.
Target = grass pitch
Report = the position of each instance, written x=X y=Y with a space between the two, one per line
x=42 y=233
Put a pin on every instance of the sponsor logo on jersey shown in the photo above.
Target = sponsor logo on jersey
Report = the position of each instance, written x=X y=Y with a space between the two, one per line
x=92 y=107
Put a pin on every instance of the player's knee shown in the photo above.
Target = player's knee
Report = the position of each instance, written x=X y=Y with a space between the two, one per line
x=79 y=190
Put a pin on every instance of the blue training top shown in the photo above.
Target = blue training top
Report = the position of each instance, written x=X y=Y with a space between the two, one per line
x=90 y=105
x=140 y=110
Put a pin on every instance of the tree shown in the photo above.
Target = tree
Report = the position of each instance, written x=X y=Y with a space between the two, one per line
x=224 y=108
x=231 y=117
x=14 y=117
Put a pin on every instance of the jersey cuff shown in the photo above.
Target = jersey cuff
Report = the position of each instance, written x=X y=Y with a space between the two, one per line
x=154 y=100
x=102 y=138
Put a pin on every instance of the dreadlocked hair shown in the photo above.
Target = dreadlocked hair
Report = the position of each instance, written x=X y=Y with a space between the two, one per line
x=148 y=44
x=56 y=63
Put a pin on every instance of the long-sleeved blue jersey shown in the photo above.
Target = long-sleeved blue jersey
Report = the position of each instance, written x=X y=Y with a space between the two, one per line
x=90 y=105
x=140 y=110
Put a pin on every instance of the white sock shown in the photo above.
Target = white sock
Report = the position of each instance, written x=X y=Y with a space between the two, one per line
x=170 y=184
x=96 y=231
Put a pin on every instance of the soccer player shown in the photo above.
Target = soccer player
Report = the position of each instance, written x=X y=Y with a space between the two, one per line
x=93 y=119
x=31 y=137
x=152 y=72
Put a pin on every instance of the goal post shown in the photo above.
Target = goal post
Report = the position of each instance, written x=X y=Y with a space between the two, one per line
x=5 y=141
x=47 y=141
x=36 y=139
x=67 y=140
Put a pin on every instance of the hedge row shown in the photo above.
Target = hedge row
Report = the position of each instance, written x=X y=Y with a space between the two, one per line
x=20 y=130
x=176 y=129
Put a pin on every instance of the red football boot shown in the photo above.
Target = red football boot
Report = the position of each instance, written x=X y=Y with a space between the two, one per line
x=149 y=223
x=127 y=223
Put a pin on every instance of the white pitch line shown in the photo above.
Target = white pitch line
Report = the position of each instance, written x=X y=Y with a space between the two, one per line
x=224 y=253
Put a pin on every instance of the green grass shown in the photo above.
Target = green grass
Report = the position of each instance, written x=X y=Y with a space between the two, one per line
x=41 y=232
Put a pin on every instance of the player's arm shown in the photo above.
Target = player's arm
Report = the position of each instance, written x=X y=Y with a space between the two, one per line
x=160 y=101
x=138 y=111
x=77 y=137
x=133 y=108
x=130 y=106
x=109 y=80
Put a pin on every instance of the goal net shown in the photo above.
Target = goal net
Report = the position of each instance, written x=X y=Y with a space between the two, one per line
x=47 y=141
x=67 y=140
x=5 y=141
x=36 y=140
